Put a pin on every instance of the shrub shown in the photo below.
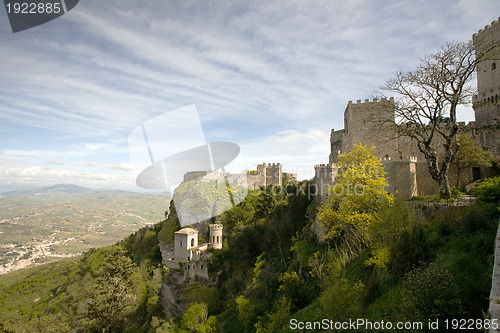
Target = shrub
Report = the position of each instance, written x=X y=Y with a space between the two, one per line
x=488 y=190
x=410 y=251
x=431 y=293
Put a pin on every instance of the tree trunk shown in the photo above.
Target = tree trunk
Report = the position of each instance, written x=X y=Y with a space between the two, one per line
x=438 y=173
x=444 y=186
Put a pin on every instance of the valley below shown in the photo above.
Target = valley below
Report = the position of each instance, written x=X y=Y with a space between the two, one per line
x=47 y=224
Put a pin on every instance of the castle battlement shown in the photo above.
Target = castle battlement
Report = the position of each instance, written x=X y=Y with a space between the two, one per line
x=485 y=101
x=375 y=100
x=274 y=164
x=319 y=166
x=493 y=24
x=401 y=159
x=216 y=226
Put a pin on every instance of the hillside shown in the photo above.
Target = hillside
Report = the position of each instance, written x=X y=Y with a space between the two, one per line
x=46 y=224
x=272 y=274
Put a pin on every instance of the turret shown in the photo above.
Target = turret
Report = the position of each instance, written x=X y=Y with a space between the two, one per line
x=216 y=235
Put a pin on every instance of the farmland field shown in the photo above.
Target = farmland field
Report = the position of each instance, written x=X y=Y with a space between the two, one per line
x=42 y=225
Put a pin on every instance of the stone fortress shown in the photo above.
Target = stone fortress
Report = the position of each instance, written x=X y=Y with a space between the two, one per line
x=369 y=123
x=266 y=174
x=190 y=256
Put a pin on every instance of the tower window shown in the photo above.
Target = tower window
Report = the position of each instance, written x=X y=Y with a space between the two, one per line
x=218 y=240
x=493 y=66
x=192 y=241
x=181 y=243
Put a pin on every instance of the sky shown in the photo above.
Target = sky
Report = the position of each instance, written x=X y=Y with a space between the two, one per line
x=273 y=77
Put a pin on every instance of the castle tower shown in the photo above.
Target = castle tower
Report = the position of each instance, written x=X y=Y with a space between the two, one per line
x=369 y=123
x=215 y=235
x=401 y=176
x=487 y=101
x=325 y=175
x=185 y=240
x=274 y=174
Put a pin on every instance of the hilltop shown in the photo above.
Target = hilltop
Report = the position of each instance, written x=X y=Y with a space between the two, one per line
x=55 y=189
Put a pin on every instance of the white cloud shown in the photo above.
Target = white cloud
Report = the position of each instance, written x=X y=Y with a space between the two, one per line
x=298 y=152
x=251 y=68
x=36 y=175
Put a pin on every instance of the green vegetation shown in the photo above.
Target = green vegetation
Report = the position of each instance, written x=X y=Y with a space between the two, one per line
x=471 y=154
x=404 y=265
x=112 y=289
x=353 y=202
x=488 y=190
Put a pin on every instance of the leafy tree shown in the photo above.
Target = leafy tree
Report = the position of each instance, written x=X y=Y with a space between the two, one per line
x=352 y=203
x=386 y=230
x=277 y=321
x=318 y=264
x=470 y=155
x=427 y=107
x=203 y=294
x=292 y=289
x=111 y=293
x=246 y=310
x=431 y=293
x=195 y=315
x=341 y=299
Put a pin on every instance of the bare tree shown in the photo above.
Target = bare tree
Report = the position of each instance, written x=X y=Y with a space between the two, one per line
x=426 y=105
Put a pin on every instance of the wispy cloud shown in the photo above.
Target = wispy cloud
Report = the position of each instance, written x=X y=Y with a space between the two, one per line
x=271 y=76
x=45 y=176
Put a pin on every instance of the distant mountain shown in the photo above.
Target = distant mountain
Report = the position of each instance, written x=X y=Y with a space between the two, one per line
x=55 y=189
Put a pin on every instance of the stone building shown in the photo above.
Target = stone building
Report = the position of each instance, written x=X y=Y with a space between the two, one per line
x=266 y=174
x=189 y=255
x=371 y=123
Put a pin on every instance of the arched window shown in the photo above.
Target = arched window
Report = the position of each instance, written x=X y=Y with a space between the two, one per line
x=213 y=239
x=192 y=241
x=493 y=66
x=218 y=240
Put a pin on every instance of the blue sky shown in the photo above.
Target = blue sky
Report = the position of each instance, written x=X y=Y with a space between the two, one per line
x=273 y=77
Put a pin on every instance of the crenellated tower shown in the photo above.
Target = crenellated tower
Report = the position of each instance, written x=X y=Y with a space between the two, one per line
x=274 y=174
x=486 y=103
x=325 y=175
x=370 y=123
